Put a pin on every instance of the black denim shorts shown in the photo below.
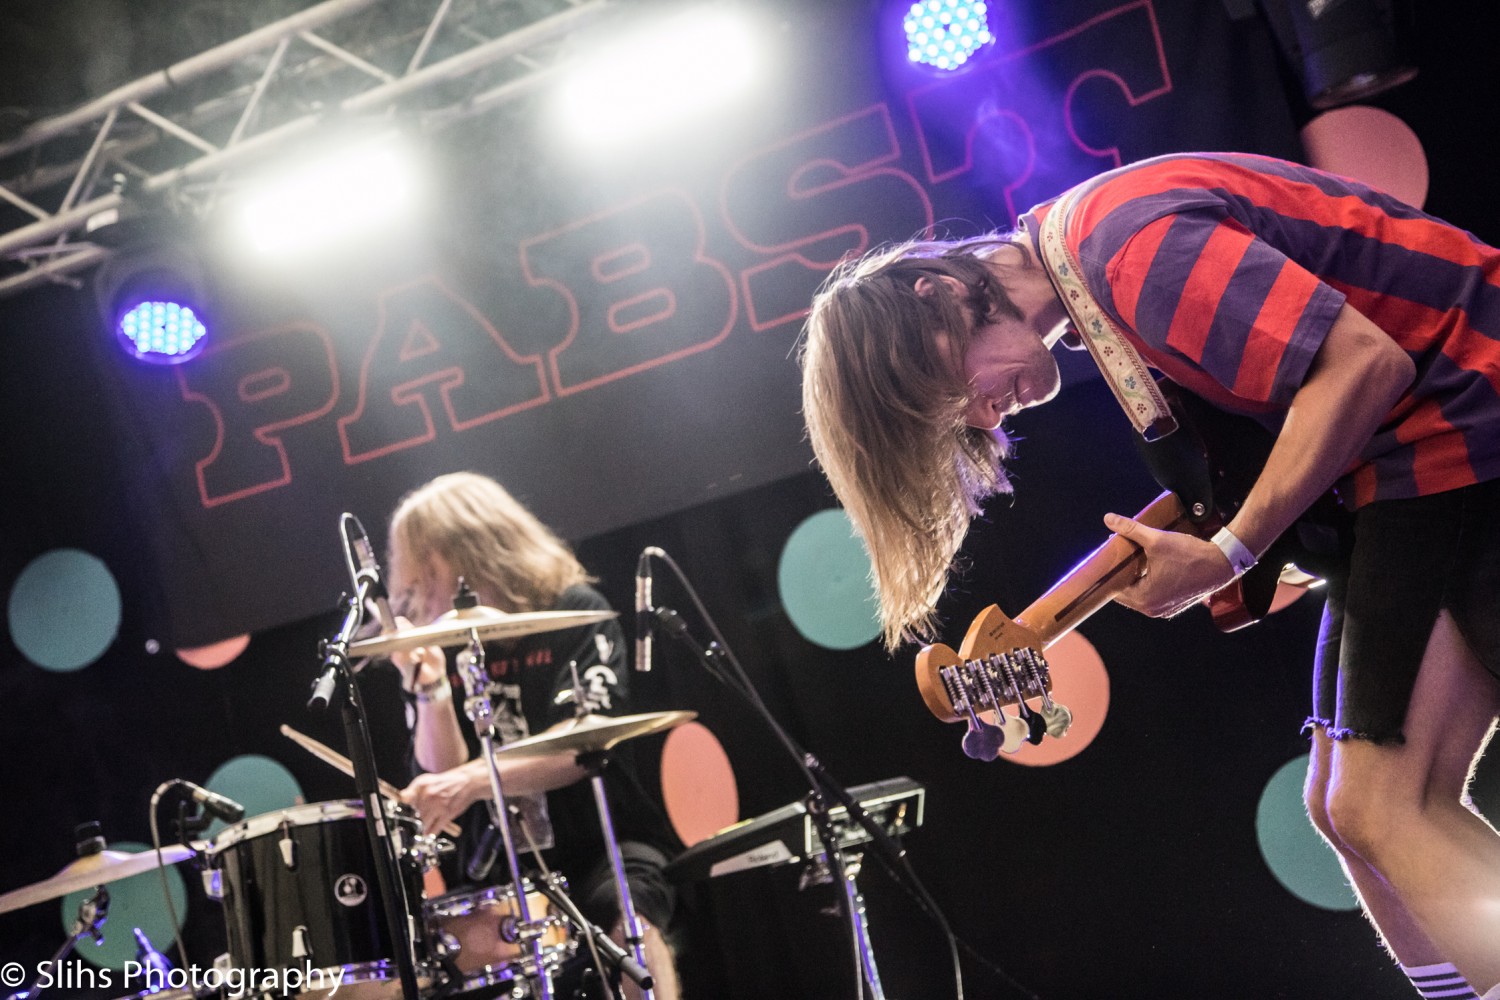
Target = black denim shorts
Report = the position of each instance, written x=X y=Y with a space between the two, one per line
x=1409 y=559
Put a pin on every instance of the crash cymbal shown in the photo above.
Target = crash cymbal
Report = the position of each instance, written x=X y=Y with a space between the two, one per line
x=593 y=733
x=89 y=871
x=453 y=628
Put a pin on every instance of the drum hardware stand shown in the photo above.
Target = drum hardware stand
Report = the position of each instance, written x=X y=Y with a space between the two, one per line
x=594 y=762
x=481 y=713
x=714 y=659
x=93 y=909
x=633 y=963
x=336 y=667
x=618 y=958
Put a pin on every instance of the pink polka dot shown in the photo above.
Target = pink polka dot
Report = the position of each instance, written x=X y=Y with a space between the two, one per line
x=1080 y=682
x=1372 y=146
x=697 y=783
x=215 y=655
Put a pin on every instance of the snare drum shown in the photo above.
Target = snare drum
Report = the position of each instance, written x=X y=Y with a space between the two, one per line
x=476 y=930
x=300 y=891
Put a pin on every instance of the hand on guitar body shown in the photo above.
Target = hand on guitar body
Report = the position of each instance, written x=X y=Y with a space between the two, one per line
x=1180 y=569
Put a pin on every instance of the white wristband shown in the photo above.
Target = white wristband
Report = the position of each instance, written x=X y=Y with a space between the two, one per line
x=1240 y=558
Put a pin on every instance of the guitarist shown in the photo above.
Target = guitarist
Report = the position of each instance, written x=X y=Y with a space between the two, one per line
x=1365 y=333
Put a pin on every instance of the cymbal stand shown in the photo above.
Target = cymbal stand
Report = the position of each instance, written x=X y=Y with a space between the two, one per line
x=481 y=713
x=92 y=911
x=634 y=939
x=594 y=763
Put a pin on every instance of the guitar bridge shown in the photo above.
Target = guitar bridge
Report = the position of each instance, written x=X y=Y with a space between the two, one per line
x=994 y=681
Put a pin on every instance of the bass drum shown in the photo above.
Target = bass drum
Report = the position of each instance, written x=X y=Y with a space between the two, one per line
x=301 y=895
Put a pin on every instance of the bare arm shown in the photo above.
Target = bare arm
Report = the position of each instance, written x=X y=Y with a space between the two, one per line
x=437 y=741
x=1355 y=379
x=442 y=797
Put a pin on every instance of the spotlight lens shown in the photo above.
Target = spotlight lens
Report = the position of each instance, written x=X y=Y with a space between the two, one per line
x=162 y=332
x=946 y=33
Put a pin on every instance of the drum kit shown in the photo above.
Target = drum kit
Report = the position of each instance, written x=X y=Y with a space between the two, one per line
x=300 y=887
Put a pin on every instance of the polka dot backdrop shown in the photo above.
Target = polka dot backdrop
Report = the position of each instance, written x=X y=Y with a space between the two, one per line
x=214 y=655
x=824 y=580
x=1370 y=145
x=1079 y=681
x=1295 y=853
x=64 y=610
x=258 y=783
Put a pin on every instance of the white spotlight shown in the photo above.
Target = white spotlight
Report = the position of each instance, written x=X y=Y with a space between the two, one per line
x=331 y=199
x=659 y=75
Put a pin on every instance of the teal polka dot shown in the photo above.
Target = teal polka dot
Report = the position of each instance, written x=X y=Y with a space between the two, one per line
x=258 y=783
x=1299 y=858
x=137 y=901
x=64 y=610
x=824 y=578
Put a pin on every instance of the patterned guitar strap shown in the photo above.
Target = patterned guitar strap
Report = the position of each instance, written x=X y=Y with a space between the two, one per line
x=1177 y=462
x=1124 y=371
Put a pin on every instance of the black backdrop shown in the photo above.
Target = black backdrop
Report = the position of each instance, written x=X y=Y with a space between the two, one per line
x=1131 y=870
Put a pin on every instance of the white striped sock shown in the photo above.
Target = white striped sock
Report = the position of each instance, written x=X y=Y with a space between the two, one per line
x=1439 y=982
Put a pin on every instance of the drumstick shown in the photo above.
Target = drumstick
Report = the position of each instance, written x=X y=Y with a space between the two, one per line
x=330 y=756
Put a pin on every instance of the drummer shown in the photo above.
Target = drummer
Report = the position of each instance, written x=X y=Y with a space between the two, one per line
x=465 y=525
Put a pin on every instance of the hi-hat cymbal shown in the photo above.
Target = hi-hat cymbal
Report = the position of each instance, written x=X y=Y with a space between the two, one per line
x=89 y=871
x=593 y=733
x=455 y=627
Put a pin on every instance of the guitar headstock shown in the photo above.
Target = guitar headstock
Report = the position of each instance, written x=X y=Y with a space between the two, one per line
x=1000 y=664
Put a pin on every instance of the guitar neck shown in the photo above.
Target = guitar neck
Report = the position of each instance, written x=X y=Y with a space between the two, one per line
x=1101 y=575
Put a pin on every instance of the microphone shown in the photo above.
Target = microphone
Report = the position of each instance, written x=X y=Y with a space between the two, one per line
x=216 y=805
x=486 y=853
x=644 y=624
x=369 y=569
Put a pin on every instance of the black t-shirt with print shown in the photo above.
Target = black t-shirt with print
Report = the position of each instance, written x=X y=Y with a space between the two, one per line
x=532 y=688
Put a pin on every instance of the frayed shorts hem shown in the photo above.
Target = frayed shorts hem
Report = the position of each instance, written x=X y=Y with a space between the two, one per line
x=1337 y=733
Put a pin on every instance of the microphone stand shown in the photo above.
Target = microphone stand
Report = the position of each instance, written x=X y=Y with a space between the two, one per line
x=619 y=960
x=336 y=667
x=819 y=784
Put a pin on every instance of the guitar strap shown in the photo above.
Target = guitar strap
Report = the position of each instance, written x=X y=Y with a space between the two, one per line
x=1120 y=363
x=1178 y=462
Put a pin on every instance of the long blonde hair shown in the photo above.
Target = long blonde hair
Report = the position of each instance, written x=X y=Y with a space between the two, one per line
x=883 y=395
x=483 y=534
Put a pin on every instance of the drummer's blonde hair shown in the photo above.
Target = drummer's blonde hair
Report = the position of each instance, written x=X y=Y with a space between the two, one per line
x=481 y=533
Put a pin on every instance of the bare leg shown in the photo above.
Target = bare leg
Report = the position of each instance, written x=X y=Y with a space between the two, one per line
x=1398 y=932
x=1426 y=864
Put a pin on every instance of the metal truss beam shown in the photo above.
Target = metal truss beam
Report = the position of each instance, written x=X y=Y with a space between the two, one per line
x=502 y=49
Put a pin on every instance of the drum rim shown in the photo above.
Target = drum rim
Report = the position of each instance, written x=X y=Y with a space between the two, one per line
x=438 y=906
x=300 y=815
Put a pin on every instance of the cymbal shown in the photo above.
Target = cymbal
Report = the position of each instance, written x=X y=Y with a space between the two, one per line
x=454 y=628
x=89 y=871
x=593 y=733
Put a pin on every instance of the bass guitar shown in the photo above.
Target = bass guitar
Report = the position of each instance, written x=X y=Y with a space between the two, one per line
x=1000 y=661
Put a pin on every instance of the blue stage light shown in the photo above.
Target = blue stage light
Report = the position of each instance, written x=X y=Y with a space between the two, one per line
x=161 y=332
x=945 y=34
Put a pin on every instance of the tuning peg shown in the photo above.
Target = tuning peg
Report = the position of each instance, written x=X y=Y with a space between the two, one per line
x=1058 y=718
x=1016 y=731
x=982 y=741
x=1036 y=726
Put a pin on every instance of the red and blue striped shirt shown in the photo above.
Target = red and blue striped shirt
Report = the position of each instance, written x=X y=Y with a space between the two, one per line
x=1226 y=272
